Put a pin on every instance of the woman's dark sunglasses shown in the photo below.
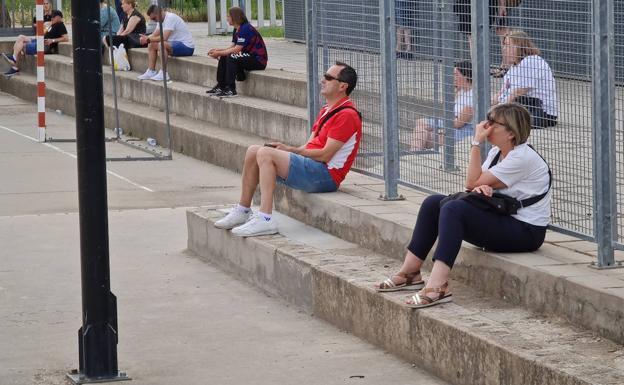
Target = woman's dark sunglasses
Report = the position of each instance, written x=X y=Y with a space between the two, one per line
x=330 y=78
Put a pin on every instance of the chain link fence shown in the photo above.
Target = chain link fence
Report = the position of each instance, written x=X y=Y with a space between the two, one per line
x=423 y=86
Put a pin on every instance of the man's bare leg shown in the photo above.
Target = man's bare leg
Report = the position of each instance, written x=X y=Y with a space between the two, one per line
x=251 y=176
x=153 y=54
x=272 y=163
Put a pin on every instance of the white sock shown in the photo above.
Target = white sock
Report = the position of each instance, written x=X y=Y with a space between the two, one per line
x=267 y=217
x=242 y=209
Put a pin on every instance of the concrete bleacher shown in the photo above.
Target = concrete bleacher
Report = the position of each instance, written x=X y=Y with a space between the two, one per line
x=530 y=318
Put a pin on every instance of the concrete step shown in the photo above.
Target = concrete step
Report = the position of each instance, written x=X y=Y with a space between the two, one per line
x=261 y=117
x=474 y=340
x=553 y=281
x=275 y=85
x=208 y=142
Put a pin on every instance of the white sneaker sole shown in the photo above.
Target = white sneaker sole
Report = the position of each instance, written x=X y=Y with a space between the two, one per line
x=266 y=232
x=227 y=227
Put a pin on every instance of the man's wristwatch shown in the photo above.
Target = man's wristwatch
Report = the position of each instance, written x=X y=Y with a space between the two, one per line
x=475 y=143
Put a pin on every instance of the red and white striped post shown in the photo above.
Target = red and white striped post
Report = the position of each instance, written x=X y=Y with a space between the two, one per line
x=40 y=73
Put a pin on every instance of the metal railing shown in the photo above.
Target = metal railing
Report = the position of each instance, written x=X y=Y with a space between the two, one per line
x=256 y=10
x=405 y=53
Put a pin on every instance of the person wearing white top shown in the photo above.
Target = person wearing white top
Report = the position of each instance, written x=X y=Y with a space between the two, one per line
x=462 y=122
x=529 y=80
x=512 y=168
x=178 y=41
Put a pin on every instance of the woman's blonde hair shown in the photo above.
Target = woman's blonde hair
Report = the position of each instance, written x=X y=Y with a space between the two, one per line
x=523 y=45
x=516 y=118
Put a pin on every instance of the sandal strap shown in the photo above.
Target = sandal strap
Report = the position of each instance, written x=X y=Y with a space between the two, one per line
x=420 y=299
x=442 y=290
x=409 y=277
x=387 y=283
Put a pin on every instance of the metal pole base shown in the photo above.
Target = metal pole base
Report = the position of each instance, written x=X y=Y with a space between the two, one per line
x=79 y=378
x=389 y=199
x=617 y=265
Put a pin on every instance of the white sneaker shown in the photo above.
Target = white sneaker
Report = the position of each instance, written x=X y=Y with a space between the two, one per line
x=148 y=74
x=257 y=225
x=232 y=219
x=159 y=76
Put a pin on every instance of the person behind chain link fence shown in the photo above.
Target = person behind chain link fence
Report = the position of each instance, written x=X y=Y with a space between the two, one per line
x=247 y=53
x=57 y=33
x=178 y=41
x=529 y=80
x=462 y=122
x=513 y=168
x=320 y=165
x=498 y=10
x=132 y=27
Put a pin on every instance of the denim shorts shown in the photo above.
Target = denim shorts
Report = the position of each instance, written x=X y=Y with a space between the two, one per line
x=308 y=175
x=180 y=49
x=31 y=48
x=460 y=133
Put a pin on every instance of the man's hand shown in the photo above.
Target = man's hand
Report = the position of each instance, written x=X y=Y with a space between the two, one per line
x=142 y=39
x=282 y=146
x=213 y=53
x=484 y=189
x=48 y=41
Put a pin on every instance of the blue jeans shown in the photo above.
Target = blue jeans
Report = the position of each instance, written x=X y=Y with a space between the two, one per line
x=308 y=175
x=180 y=49
x=31 y=48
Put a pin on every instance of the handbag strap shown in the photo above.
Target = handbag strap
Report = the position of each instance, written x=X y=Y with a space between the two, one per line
x=529 y=201
x=332 y=113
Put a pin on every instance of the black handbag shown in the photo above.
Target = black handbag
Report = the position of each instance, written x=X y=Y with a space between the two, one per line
x=498 y=203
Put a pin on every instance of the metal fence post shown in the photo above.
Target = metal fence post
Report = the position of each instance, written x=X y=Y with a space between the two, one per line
x=389 y=98
x=603 y=134
x=272 y=14
x=212 y=17
x=312 y=61
x=480 y=54
x=223 y=12
x=260 y=13
x=448 y=94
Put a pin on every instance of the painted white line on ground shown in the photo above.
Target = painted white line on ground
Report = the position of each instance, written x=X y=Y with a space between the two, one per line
x=75 y=157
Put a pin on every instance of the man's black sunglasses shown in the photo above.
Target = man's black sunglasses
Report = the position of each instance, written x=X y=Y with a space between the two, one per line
x=330 y=78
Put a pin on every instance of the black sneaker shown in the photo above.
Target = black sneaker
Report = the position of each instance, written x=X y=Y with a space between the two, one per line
x=214 y=90
x=227 y=93
x=9 y=58
x=12 y=71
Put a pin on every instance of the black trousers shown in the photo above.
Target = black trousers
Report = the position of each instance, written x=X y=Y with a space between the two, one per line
x=535 y=106
x=129 y=41
x=459 y=220
x=234 y=66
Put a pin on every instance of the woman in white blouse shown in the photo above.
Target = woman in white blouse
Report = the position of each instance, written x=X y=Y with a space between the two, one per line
x=529 y=80
x=512 y=168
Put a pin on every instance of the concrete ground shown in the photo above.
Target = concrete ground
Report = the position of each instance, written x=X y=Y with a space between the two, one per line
x=181 y=321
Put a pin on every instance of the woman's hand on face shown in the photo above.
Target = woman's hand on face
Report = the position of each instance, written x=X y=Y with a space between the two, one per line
x=482 y=131
x=484 y=189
